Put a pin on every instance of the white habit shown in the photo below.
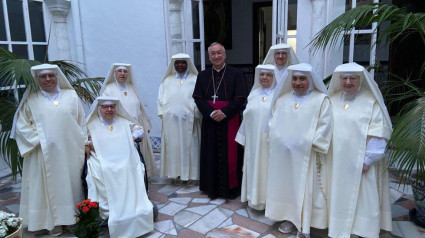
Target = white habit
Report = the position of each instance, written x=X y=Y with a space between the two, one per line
x=115 y=174
x=359 y=202
x=181 y=122
x=291 y=60
x=300 y=132
x=254 y=140
x=51 y=139
x=131 y=100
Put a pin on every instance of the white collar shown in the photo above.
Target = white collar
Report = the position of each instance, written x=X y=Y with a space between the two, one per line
x=182 y=76
x=266 y=91
x=51 y=96
x=218 y=70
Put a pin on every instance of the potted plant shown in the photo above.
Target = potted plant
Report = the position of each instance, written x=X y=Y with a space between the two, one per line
x=15 y=74
x=88 y=217
x=407 y=144
x=10 y=225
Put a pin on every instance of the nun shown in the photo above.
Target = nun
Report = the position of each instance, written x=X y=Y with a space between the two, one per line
x=251 y=136
x=360 y=197
x=299 y=134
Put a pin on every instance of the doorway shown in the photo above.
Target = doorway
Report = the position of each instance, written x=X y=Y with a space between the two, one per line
x=262 y=32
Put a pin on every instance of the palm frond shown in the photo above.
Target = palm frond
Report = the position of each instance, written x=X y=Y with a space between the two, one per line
x=88 y=88
x=10 y=153
x=399 y=89
x=8 y=147
x=18 y=71
x=71 y=71
x=8 y=106
x=402 y=25
x=6 y=55
x=408 y=139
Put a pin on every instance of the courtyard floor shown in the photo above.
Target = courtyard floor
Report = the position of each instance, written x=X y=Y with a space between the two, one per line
x=184 y=211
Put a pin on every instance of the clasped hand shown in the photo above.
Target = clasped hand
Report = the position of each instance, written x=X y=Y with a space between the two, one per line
x=218 y=115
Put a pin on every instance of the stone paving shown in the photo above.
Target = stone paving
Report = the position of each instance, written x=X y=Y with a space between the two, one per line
x=184 y=211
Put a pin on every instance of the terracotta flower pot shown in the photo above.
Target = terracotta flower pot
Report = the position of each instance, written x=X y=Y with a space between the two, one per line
x=17 y=233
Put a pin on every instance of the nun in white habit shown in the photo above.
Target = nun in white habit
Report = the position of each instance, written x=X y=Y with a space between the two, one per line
x=119 y=83
x=252 y=137
x=281 y=55
x=51 y=133
x=181 y=121
x=299 y=133
x=359 y=200
x=115 y=174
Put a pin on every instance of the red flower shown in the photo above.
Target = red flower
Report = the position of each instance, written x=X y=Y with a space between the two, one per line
x=78 y=206
x=85 y=209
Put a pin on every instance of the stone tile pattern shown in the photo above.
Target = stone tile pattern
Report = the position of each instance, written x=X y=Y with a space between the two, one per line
x=184 y=211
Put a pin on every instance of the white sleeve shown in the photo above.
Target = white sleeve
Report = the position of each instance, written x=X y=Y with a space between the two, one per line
x=240 y=136
x=323 y=135
x=137 y=131
x=375 y=150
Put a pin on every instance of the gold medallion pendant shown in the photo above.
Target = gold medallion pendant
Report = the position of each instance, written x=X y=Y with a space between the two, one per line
x=297 y=105
x=110 y=128
x=56 y=102
x=264 y=99
x=346 y=106
x=181 y=82
x=125 y=93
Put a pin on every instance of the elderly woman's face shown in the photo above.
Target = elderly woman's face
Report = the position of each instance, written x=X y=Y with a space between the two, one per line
x=266 y=79
x=350 y=83
x=108 y=111
x=300 y=83
x=280 y=58
x=121 y=75
x=48 y=81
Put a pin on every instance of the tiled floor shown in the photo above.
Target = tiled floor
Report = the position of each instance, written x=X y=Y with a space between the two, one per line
x=185 y=212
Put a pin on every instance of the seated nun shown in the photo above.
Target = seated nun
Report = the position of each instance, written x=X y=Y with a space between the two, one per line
x=114 y=170
x=360 y=195
x=252 y=137
x=299 y=133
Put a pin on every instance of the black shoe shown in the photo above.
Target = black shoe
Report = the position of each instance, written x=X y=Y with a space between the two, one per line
x=233 y=196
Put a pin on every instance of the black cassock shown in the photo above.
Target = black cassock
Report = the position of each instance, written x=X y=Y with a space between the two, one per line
x=221 y=157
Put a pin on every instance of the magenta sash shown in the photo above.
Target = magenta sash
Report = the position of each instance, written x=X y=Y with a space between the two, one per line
x=232 y=146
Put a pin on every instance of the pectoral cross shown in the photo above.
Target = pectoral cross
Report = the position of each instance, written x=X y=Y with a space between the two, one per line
x=214 y=97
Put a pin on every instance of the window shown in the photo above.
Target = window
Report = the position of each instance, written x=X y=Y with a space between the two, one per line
x=359 y=44
x=285 y=22
x=22 y=29
x=185 y=29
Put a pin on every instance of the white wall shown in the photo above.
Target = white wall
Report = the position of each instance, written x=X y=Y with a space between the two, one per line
x=334 y=55
x=126 y=31
x=303 y=30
